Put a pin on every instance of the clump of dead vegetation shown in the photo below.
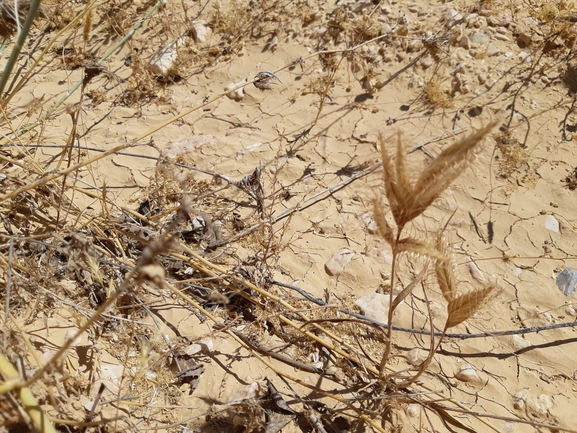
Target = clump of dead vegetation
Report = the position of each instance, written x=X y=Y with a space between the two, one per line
x=208 y=242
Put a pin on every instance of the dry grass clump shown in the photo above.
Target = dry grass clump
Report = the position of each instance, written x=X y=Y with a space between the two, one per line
x=208 y=244
x=436 y=95
x=512 y=155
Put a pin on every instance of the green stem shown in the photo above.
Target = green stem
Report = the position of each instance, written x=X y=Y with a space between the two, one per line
x=34 y=6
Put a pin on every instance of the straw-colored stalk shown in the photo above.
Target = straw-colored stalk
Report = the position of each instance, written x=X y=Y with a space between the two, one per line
x=29 y=403
x=408 y=200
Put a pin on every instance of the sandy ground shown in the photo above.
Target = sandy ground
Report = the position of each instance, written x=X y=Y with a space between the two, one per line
x=488 y=63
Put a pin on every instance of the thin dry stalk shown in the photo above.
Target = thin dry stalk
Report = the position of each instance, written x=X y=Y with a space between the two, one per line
x=29 y=402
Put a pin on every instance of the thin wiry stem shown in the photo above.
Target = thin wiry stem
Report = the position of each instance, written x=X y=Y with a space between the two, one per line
x=9 y=279
x=388 y=343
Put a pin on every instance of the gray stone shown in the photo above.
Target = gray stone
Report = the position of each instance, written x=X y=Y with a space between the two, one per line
x=566 y=281
x=493 y=50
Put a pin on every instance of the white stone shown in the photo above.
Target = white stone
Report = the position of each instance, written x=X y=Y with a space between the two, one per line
x=162 y=61
x=493 y=50
x=520 y=343
x=480 y=38
x=539 y=406
x=200 y=31
x=338 y=261
x=413 y=410
x=375 y=306
x=552 y=224
x=501 y=37
x=416 y=356
x=467 y=374
x=520 y=398
x=476 y=272
x=369 y=222
x=205 y=345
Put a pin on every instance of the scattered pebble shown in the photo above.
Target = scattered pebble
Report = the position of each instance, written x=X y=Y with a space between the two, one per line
x=338 y=261
x=524 y=57
x=426 y=62
x=501 y=37
x=163 y=60
x=464 y=42
x=482 y=77
x=493 y=50
x=566 y=281
x=375 y=306
x=467 y=374
x=369 y=221
x=552 y=224
x=520 y=343
x=480 y=38
x=413 y=410
x=523 y=41
x=385 y=29
x=451 y=17
x=476 y=272
x=416 y=356
x=200 y=31
x=539 y=406
x=205 y=345
x=520 y=398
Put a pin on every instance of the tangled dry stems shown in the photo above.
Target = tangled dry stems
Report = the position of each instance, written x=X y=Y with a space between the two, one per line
x=362 y=364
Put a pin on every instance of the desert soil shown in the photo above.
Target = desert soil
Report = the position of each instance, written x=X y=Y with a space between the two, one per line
x=168 y=350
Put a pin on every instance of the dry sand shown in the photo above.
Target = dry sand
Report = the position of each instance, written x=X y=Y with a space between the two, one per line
x=476 y=72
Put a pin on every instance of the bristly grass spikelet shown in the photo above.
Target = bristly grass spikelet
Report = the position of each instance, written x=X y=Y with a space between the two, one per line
x=445 y=274
x=383 y=227
x=408 y=201
x=465 y=306
x=416 y=246
x=87 y=25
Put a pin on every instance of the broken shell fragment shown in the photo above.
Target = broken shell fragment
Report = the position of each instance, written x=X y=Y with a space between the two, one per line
x=237 y=94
